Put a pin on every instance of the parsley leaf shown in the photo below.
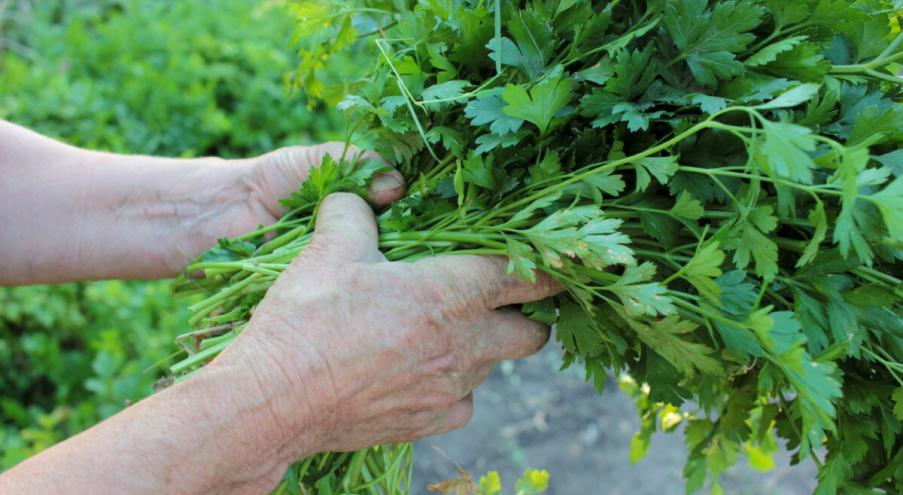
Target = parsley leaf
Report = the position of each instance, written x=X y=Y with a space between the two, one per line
x=541 y=104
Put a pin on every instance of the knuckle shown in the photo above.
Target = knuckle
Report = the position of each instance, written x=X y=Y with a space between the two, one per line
x=454 y=293
x=433 y=322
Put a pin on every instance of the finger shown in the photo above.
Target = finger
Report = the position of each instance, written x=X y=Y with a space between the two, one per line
x=508 y=334
x=385 y=187
x=485 y=281
x=477 y=377
x=457 y=416
x=345 y=229
x=281 y=172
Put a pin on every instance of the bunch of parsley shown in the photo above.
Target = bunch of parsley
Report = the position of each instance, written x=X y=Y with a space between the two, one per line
x=716 y=183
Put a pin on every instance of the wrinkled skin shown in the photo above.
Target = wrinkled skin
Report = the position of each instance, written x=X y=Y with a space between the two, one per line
x=70 y=214
x=402 y=346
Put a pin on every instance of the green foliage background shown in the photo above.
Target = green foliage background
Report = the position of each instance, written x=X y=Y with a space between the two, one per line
x=184 y=78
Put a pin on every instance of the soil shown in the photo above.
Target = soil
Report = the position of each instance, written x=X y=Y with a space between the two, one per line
x=530 y=415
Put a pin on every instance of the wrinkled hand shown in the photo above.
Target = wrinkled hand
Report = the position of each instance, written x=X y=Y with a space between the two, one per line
x=376 y=351
x=277 y=174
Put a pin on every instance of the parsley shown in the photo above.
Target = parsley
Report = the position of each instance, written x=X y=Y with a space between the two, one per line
x=718 y=185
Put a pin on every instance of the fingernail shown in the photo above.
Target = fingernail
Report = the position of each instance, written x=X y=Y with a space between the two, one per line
x=385 y=182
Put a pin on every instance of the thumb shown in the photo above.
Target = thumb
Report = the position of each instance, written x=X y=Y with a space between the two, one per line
x=280 y=172
x=346 y=229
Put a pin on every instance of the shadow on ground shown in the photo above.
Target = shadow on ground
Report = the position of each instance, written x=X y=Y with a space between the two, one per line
x=530 y=415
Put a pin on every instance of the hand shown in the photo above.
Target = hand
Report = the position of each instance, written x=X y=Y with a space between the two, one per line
x=70 y=214
x=277 y=174
x=346 y=351
x=350 y=350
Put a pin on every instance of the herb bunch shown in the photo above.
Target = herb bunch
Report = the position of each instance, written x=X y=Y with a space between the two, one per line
x=718 y=185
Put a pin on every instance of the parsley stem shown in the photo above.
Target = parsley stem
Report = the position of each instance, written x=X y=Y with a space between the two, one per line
x=891 y=367
x=887 y=278
x=881 y=60
x=774 y=180
x=884 y=77
x=498 y=37
x=600 y=167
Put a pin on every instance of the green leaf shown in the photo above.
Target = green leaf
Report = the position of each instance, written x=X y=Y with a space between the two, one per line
x=529 y=61
x=596 y=242
x=785 y=151
x=541 y=104
x=520 y=260
x=645 y=299
x=687 y=207
x=490 y=483
x=448 y=91
x=602 y=245
x=833 y=476
x=751 y=241
x=576 y=330
x=323 y=180
x=791 y=98
x=488 y=110
x=639 y=447
x=661 y=167
x=599 y=105
x=898 y=403
x=893 y=161
x=478 y=171
x=612 y=185
x=642 y=299
x=703 y=268
x=533 y=482
x=548 y=167
x=669 y=338
x=529 y=210
x=597 y=74
x=890 y=203
x=788 y=13
x=709 y=39
x=451 y=139
x=633 y=73
x=847 y=227
x=489 y=142
x=532 y=32
x=780 y=334
x=819 y=219
x=710 y=104
x=543 y=311
x=804 y=62
x=769 y=53
x=564 y=5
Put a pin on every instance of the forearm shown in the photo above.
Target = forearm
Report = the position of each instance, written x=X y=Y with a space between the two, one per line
x=72 y=214
x=213 y=434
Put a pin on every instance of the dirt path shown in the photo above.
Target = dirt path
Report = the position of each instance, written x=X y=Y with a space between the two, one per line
x=529 y=415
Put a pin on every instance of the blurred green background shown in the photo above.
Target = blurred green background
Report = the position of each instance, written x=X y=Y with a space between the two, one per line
x=185 y=78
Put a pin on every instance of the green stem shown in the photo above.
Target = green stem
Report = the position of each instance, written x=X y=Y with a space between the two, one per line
x=601 y=167
x=739 y=175
x=881 y=60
